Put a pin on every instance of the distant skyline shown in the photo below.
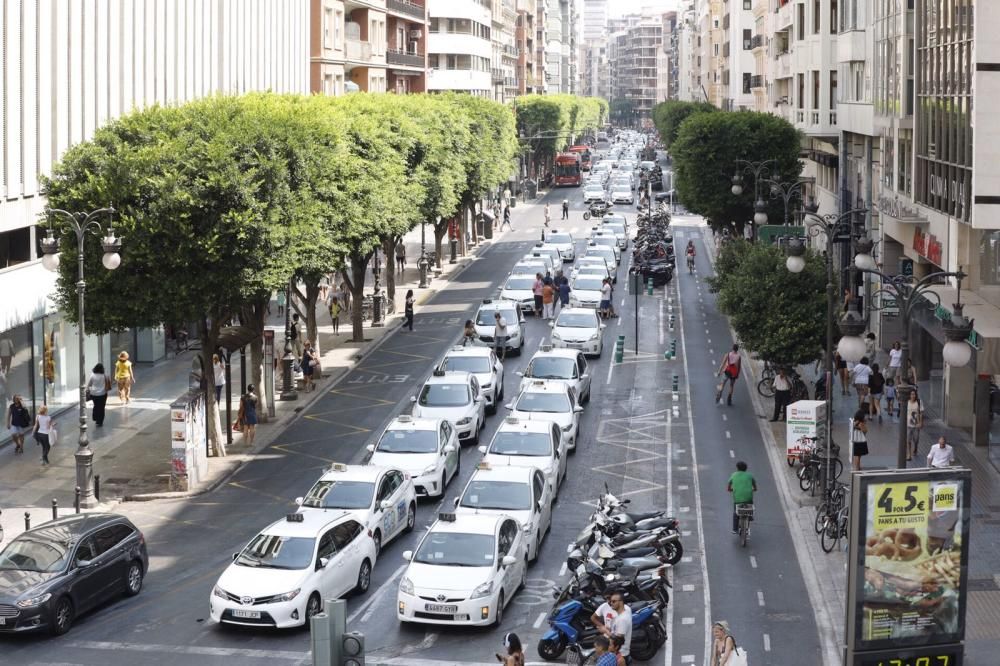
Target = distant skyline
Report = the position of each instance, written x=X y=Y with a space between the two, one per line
x=622 y=7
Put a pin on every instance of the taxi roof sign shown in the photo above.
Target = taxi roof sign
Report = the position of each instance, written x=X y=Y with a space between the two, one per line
x=338 y=467
x=511 y=419
x=295 y=517
x=483 y=465
x=447 y=517
x=404 y=418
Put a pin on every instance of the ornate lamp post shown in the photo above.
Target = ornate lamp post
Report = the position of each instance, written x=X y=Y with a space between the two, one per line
x=376 y=290
x=288 y=391
x=81 y=224
x=423 y=264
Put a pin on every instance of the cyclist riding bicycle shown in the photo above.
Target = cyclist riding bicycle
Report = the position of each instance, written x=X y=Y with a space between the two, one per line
x=742 y=485
x=690 y=252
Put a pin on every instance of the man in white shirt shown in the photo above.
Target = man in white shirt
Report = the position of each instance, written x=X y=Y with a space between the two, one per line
x=500 y=336
x=895 y=362
x=862 y=371
x=614 y=617
x=941 y=455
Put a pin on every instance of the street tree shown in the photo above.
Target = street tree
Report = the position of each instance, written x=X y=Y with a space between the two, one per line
x=705 y=155
x=668 y=116
x=778 y=315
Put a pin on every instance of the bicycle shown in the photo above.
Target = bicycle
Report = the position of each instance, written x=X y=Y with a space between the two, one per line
x=766 y=385
x=745 y=514
x=690 y=261
x=835 y=498
x=833 y=529
x=812 y=469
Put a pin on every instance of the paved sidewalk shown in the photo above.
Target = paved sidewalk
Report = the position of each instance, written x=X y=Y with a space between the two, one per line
x=133 y=447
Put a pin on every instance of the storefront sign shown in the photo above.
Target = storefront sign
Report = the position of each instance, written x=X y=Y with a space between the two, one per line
x=927 y=245
x=894 y=208
x=909 y=560
x=805 y=427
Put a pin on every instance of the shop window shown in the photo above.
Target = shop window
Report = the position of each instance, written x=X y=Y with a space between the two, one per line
x=15 y=247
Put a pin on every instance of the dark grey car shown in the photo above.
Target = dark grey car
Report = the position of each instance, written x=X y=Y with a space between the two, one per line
x=51 y=574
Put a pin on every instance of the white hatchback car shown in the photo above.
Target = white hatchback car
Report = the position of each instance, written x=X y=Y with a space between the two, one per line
x=483 y=363
x=485 y=323
x=282 y=576
x=455 y=396
x=521 y=492
x=558 y=365
x=465 y=570
x=520 y=289
x=382 y=499
x=563 y=241
x=578 y=328
x=585 y=291
x=537 y=444
x=549 y=401
x=621 y=194
x=426 y=449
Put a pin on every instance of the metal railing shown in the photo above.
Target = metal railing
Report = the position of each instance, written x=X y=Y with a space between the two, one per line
x=406 y=58
x=407 y=7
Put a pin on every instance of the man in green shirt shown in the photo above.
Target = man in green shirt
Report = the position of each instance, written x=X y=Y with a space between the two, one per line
x=742 y=485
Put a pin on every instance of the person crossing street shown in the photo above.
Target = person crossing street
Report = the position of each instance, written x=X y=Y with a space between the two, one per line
x=565 y=209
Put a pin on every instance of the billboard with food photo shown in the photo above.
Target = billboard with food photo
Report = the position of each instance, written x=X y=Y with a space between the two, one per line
x=909 y=551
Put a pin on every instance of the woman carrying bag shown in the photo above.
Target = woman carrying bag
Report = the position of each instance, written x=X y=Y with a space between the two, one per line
x=44 y=429
x=859 y=439
x=97 y=391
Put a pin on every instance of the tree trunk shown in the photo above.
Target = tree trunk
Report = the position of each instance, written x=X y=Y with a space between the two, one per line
x=389 y=244
x=209 y=343
x=440 y=231
x=254 y=316
x=356 y=283
x=309 y=298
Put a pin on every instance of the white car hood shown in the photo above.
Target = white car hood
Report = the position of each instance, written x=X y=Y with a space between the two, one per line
x=431 y=577
x=517 y=295
x=569 y=334
x=414 y=463
x=546 y=465
x=586 y=295
x=559 y=418
x=260 y=582
x=526 y=382
x=453 y=414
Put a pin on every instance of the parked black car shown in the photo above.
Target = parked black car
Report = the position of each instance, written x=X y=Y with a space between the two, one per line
x=51 y=574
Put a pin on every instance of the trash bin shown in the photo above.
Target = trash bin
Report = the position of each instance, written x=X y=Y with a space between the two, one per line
x=486 y=228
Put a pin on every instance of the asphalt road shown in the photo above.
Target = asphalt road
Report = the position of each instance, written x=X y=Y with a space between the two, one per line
x=634 y=435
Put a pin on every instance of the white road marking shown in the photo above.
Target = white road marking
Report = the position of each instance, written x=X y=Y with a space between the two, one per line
x=373 y=596
x=682 y=487
x=753 y=561
x=686 y=533
x=732 y=454
x=662 y=332
x=684 y=509
x=725 y=417
x=539 y=620
x=687 y=620
x=687 y=559
x=687 y=659
x=728 y=436
x=760 y=598
x=199 y=650
x=679 y=450
x=767 y=642
x=611 y=365
x=687 y=588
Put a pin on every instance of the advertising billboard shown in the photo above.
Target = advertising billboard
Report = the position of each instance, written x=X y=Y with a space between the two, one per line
x=908 y=561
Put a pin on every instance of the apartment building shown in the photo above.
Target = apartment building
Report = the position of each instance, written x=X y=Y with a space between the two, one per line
x=542 y=72
x=595 y=20
x=688 y=42
x=524 y=38
x=504 y=57
x=739 y=48
x=349 y=42
x=460 y=46
x=60 y=83
x=636 y=56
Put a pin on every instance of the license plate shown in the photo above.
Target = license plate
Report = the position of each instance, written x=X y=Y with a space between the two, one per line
x=441 y=608
x=248 y=615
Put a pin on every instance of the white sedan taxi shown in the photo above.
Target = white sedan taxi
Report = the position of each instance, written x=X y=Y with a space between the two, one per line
x=483 y=363
x=610 y=254
x=282 y=576
x=485 y=323
x=549 y=401
x=585 y=291
x=454 y=396
x=464 y=572
x=568 y=366
x=426 y=449
x=578 y=328
x=521 y=492
x=528 y=268
x=592 y=260
x=537 y=444
x=563 y=241
x=519 y=289
x=382 y=499
x=594 y=193
x=622 y=194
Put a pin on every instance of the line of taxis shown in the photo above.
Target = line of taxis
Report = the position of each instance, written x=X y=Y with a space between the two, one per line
x=474 y=558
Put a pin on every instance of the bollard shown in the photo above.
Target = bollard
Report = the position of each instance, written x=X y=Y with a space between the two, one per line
x=649 y=286
x=673 y=347
x=27 y=521
x=55 y=508
x=666 y=354
x=676 y=382
x=97 y=487
x=76 y=500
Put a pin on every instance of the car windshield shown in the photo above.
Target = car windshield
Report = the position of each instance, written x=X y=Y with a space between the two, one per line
x=549 y=403
x=593 y=269
x=551 y=367
x=605 y=240
x=617 y=228
x=528 y=269
x=585 y=283
x=520 y=283
x=408 y=441
x=503 y=495
x=29 y=552
x=576 y=320
x=486 y=318
x=605 y=253
x=444 y=395
x=521 y=443
x=329 y=494
x=468 y=364
x=454 y=549
x=277 y=552
x=560 y=238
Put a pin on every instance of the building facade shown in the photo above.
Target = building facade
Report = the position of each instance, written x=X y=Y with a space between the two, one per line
x=460 y=46
x=524 y=37
x=636 y=57
x=60 y=83
x=504 y=60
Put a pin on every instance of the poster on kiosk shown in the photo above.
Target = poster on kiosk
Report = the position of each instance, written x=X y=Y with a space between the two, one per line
x=805 y=427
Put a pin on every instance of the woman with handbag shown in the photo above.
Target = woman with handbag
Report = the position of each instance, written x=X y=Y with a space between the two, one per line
x=309 y=363
x=18 y=422
x=97 y=391
x=43 y=427
x=859 y=439
x=725 y=652
x=248 y=414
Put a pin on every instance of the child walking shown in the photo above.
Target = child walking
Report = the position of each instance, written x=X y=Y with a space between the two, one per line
x=890 y=399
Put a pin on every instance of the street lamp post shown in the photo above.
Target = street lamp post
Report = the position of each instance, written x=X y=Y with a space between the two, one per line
x=908 y=292
x=828 y=225
x=759 y=171
x=423 y=264
x=787 y=192
x=288 y=391
x=81 y=224
x=376 y=291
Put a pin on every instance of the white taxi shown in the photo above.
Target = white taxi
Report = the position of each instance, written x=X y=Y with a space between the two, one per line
x=521 y=492
x=585 y=291
x=454 y=396
x=485 y=324
x=611 y=255
x=382 y=499
x=538 y=444
x=568 y=366
x=607 y=238
x=552 y=251
x=562 y=241
x=483 y=363
x=592 y=260
x=426 y=449
x=528 y=268
x=282 y=576
x=464 y=572
x=578 y=328
x=520 y=289
x=549 y=401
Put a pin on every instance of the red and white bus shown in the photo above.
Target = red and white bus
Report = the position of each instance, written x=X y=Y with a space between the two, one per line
x=567 y=170
x=584 y=153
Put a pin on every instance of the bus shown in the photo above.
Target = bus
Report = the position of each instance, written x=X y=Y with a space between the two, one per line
x=567 y=170
x=584 y=153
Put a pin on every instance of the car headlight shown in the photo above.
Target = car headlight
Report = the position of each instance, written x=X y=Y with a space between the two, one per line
x=405 y=585
x=556 y=336
x=287 y=596
x=484 y=590
x=430 y=469
x=219 y=592
x=466 y=421
x=34 y=601
x=594 y=337
x=529 y=528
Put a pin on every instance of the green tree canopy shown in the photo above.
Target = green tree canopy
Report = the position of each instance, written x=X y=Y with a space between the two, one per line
x=668 y=116
x=778 y=315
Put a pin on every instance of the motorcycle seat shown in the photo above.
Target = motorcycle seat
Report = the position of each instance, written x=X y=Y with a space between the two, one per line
x=636 y=517
x=642 y=563
x=658 y=522
x=642 y=551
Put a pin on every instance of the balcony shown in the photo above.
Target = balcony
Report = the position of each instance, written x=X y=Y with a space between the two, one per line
x=405 y=58
x=757 y=42
x=757 y=81
x=356 y=50
x=407 y=8
x=498 y=76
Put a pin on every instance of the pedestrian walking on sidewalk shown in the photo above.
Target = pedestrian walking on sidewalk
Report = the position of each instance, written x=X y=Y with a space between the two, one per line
x=124 y=377
x=914 y=424
x=782 y=395
x=324 y=287
x=18 y=422
x=309 y=364
x=549 y=301
x=862 y=372
x=335 y=314
x=281 y=302
x=43 y=428
x=506 y=219
x=296 y=336
x=248 y=410
x=942 y=455
x=859 y=439
x=548 y=215
x=895 y=362
x=731 y=365
x=218 y=375
x=345 y=297
x=400 y=256
x=408 y=309
x=871 y=351
x=890 y=399
x=876 y=386
x=842 y=373
x=565 y=209
x=97 y=388
x=910 y=374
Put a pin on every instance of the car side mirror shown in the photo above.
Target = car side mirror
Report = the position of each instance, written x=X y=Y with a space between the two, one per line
x=235 y=555
x=552 y=324
x=578 y=409
x=322 y=562
x=299 y=500
x=371 y=448
x=413 y=398
x=585 y=376
x=509 y=405
x=482 y=449
x=83 y=564
x=455 y=502
x=519 y=373
x=508 y=560
x=603 y=326
x=449 y=448
x=407 y=555
x=385 y=505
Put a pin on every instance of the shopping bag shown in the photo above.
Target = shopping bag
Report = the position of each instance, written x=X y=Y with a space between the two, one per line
x=738 y=657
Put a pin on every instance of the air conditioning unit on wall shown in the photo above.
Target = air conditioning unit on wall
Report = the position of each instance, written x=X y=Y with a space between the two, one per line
x=416 y=34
